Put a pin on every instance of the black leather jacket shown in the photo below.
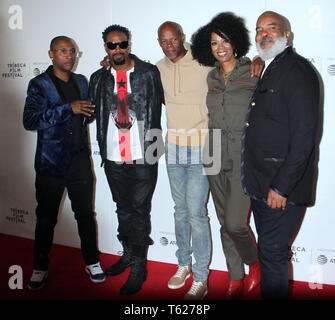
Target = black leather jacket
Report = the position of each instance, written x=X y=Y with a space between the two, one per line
x=146 y=100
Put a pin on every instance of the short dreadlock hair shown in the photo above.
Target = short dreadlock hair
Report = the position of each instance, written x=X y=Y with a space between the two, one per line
x=118 y=28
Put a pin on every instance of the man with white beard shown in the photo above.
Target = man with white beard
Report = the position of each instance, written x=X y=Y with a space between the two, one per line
x=279 y=148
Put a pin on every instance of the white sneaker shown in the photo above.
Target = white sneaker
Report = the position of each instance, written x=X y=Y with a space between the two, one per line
x=38 y=280
x=97 y=275
x=179 y=278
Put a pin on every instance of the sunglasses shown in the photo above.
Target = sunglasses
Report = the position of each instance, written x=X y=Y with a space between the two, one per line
x=113 y=45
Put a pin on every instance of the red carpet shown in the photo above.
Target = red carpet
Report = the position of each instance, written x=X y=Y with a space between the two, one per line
x=68 y=280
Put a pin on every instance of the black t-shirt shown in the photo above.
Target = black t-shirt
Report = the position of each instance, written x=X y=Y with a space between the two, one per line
x=69 y=92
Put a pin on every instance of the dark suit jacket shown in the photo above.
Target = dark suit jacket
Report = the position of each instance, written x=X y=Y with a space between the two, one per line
x=279 y=145
x=45 y=112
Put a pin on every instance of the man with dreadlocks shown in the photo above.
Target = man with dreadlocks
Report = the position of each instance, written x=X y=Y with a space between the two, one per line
x=128 y=98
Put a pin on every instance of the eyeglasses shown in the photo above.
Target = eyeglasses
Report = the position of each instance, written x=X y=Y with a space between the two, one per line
x=113 y=45
x=63 y=52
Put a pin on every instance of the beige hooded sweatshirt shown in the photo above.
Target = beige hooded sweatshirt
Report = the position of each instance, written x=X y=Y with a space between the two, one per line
x=185 y=90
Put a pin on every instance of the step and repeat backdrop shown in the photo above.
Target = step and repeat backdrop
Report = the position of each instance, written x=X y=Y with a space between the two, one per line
x=27 y=26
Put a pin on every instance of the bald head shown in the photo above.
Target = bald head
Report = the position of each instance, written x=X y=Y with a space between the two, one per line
x=171 y=39
x=286 y=26
x=170 y=25
x=55 y=40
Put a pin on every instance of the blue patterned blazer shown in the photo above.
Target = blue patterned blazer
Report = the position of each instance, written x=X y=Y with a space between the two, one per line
x=45 y=112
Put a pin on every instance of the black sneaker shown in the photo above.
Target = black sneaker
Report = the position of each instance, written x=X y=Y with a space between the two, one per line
x=96 y=273
x=38 y=280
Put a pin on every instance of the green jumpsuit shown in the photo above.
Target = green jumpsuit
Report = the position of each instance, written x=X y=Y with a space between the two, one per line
x=227 y=106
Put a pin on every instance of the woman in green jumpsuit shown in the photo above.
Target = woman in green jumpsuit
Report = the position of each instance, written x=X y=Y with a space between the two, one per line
x=223 y=43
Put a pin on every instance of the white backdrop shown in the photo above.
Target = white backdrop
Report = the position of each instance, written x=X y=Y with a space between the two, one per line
x=27 y=26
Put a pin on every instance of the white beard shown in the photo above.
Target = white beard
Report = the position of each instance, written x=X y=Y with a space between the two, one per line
x=278 y=47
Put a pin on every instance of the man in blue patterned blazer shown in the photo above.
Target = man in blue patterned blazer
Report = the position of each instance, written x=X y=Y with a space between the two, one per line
x=57 y=107
x=279 y=148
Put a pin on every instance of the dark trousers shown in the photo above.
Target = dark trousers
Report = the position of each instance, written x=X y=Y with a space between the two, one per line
x=49 y=192
x=132 y=187
x=274 y=227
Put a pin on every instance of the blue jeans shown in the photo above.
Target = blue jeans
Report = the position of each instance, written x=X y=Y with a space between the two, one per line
x=189 y=188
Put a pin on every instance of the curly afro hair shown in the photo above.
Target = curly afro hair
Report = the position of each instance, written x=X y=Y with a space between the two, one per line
x=118 y=28
x=228 y=23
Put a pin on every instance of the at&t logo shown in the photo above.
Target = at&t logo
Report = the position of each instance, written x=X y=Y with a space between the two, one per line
x=331 y=69
x=165 y=241
x=322 y=259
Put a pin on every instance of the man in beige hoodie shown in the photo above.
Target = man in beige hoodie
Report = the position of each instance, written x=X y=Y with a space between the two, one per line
x=185 y=89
